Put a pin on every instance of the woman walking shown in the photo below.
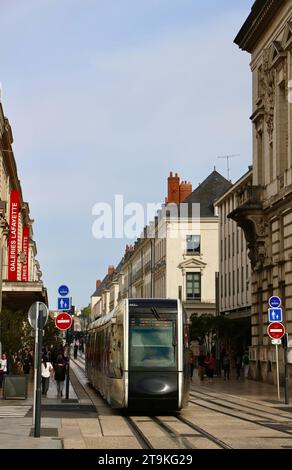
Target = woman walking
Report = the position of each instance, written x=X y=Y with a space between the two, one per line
x=60 y=373
x=47 y=368
x=3 y=369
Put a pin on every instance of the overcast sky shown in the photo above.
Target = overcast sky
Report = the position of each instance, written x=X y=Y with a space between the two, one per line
x=106 y=97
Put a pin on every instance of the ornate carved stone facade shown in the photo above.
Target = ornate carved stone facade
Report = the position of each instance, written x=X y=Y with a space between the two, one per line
x=265 y=212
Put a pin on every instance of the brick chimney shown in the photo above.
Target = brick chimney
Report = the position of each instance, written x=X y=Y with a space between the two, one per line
x=111 y=270
x=173 y=189
x=185 y=190
x=98 y=283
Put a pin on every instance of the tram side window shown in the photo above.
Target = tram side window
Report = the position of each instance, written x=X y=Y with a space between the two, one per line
x=116 y=351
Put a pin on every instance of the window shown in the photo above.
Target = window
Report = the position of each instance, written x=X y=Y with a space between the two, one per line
x=229 y=282
x=233 y=244
x=193 y=286
x=152 y=343
x=194 y=244
x=229 y=252
x=242 y=279
x=233 y=282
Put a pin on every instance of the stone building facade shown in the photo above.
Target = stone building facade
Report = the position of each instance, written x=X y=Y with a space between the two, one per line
x=265 y=206
x=20 y=273
x=234 y=264
x=177 y=256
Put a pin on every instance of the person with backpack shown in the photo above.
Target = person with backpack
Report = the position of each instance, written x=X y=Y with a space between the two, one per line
x=60 y=374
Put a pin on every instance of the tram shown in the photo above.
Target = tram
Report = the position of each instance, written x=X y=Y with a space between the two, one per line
x=137 y=355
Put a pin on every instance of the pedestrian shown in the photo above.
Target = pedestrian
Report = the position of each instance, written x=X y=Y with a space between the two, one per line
x=201 y=366
x=16 y=364
x=47 y=368
x=3 y=368
x=75 y=350
x=238 y=364
x=60 y=374
x=226 y=366
x=26 y=363
x=191 y=362
x=245 y=363
x=210 y=363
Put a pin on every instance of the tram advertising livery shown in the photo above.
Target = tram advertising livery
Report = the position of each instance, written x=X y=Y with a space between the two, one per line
x=137 y=355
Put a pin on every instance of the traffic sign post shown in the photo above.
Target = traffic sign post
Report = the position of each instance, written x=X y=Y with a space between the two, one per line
x=68 y=348
x=276 y=331
x=38 y=315
x=285 y=346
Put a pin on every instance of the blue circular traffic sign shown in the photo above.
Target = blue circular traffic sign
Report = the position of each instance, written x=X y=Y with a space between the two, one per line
x=275 y=302
x=63 y=290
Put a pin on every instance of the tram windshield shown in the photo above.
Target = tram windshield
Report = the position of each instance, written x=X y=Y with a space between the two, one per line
x=152 y=343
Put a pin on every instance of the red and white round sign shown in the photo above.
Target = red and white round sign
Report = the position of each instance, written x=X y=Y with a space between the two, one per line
x=276 y=330
x=63 y=321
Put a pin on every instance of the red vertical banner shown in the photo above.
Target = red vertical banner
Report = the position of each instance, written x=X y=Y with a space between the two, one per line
x=25 y=247
x=13 y=236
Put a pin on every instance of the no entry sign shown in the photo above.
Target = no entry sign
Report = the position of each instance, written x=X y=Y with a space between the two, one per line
x=63 y=321
x=276 y=330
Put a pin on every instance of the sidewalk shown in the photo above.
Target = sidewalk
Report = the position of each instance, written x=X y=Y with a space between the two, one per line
x=16 y=420
x=244 y=388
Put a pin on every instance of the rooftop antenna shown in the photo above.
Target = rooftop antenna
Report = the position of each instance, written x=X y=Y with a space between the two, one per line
x=227 y=158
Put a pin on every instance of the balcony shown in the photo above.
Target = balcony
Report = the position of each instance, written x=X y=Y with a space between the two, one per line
x=249 y=216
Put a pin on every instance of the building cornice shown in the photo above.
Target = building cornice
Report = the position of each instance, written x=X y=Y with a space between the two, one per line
x=262 y=13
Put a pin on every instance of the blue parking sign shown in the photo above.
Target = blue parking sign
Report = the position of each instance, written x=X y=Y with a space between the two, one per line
x=64 y=304
x=275 y=315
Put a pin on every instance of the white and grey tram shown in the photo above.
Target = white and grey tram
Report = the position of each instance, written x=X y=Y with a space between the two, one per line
x=137 y=355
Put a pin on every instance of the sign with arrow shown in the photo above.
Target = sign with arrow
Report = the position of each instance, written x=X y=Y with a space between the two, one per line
x=275 y=314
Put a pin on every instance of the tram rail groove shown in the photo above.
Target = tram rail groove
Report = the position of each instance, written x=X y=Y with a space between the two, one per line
x=173 y=435
x=204 y=433
x=271 y=425
x=272 y=413
x=141 y=438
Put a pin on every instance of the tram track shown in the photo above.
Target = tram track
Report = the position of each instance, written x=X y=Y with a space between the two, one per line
x=180 y=440
x=283 y=427
x=227 y=400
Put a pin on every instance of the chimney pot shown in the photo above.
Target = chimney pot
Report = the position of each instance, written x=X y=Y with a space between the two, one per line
x=111 y=269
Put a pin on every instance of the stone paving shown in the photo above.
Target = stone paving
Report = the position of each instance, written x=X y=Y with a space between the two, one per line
x=108 y=429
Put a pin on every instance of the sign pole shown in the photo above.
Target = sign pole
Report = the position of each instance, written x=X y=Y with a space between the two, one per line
x=35 y=362
x=277 y=366
x=68 y=364
x=38 y=399
x=285 y=341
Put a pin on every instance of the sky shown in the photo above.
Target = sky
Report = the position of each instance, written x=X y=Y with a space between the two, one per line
x=105 y=98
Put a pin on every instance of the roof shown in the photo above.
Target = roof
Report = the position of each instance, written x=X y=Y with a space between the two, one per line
x=237 y=183
x=207 y=192
x=262 y=13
